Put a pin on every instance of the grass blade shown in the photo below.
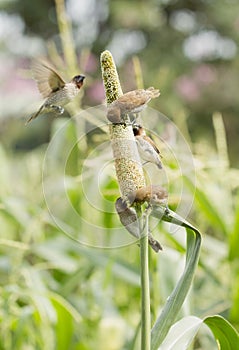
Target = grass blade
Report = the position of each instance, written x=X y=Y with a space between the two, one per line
x=177 y=297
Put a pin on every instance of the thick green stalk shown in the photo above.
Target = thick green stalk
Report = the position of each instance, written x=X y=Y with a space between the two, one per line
x=130 y=177
x=66 y=37
x=145 y=288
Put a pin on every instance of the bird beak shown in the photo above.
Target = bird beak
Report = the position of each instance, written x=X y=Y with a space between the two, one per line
x=81 y=78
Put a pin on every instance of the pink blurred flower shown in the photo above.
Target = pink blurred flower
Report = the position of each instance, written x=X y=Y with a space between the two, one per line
x=91 y=64
x=12 y=80
x=187 y=88
x=204 y=74
x=96 y=92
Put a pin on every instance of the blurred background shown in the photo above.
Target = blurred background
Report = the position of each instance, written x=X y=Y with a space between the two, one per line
x=49 y=283
x=188 y=49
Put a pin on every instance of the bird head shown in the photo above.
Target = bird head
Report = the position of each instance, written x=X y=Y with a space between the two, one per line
x=137 y=129
x=120 y=205
x=78 y=80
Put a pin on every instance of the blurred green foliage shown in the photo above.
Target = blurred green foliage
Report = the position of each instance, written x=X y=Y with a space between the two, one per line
x=57 y=292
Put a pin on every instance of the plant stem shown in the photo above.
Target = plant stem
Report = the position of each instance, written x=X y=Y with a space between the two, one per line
x=145 y=288
x=66 y=36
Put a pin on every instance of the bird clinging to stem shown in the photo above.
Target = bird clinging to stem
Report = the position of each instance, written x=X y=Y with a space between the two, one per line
x=129 y=220
x=148 y=150
x=131 y=102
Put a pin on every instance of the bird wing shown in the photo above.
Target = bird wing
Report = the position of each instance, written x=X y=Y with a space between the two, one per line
x=48 y=80
x=153 y=92
x=144 y=146
x=132 y=99
x=149 y=140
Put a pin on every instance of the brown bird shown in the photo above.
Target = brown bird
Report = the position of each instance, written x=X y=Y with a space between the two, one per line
x=128 y=219
x=52 y=87
x=131 y=102
x=152 y=194
x=148 y=151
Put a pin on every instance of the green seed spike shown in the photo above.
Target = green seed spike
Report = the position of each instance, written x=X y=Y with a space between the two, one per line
x=110 y=77
x=128 y=167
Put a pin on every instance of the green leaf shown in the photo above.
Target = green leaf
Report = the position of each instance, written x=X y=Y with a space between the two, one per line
x=178 y=295
x=224 y=333
x=181 y=334
x=184 y=331
x=66 y=315
x=234 y=236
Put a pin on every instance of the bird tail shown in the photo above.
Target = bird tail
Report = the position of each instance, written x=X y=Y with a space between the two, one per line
x=159 y=164
x=155 y=245
x=35 y=115
x=154 y=92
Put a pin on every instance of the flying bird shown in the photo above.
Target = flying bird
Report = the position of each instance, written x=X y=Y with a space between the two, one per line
x=148 y=151
x=131 y=102
x=54 y=89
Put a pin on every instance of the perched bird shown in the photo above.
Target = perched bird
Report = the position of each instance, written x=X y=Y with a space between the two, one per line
x=131 y=102
x=152 y=194
x=148 y=151
x=52 y=87
x=128 y=219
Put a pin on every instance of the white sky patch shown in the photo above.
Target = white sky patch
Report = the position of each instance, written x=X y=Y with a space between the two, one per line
x=183 y=21
x=11 y=26
x=209 y=45
x=13 y=37
x=86 y=16
x=125 y=43
x=80 y=12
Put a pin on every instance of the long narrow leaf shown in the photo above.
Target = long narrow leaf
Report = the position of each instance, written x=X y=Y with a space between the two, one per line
x=181 y=334
x=177 y=297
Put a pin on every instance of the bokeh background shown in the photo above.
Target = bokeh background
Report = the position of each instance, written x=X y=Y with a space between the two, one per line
x=57 y=293
x=188 y=49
